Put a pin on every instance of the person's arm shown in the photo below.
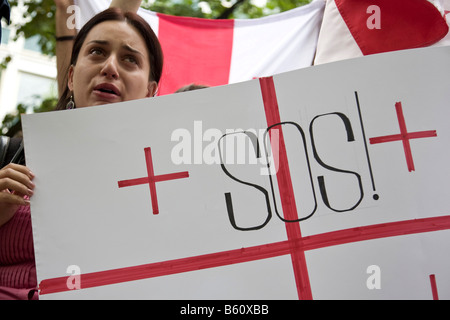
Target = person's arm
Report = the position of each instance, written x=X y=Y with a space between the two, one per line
x=127 y=5
x=64 y=42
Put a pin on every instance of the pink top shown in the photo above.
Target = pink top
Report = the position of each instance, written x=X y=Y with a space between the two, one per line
x=17 y=265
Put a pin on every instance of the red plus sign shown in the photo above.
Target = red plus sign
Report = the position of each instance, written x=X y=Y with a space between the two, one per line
x=151 y=179
x=404 y=136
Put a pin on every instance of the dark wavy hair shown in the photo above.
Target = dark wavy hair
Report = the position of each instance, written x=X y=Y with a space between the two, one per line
x=115 y=14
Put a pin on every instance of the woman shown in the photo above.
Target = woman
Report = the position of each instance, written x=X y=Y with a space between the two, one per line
x=66 y=35
x=115 y=57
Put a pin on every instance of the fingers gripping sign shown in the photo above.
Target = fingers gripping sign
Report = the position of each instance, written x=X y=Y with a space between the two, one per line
x=16 y=186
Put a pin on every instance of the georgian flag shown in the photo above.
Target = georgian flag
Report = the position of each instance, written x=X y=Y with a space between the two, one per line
x=217 y=52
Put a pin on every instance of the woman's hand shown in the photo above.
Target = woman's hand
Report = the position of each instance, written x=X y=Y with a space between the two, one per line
x=15 y=184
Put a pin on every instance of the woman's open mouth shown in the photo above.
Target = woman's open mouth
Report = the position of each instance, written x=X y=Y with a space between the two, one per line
x=107 y=91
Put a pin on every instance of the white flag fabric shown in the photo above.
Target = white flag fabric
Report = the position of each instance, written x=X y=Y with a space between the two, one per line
x=217 y=52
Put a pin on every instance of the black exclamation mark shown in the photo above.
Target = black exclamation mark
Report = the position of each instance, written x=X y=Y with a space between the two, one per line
x=375 y=195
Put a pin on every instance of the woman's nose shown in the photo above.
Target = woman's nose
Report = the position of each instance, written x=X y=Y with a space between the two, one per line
x=110 y=69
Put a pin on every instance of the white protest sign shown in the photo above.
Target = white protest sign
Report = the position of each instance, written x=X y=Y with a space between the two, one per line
x=182 y=197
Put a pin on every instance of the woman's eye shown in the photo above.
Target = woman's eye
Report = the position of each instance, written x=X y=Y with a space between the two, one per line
x=96 y=52
x=131 y=59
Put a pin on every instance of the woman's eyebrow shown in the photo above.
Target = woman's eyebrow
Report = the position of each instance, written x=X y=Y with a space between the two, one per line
x=102 y=42
x=128 y=48
x=125 y=46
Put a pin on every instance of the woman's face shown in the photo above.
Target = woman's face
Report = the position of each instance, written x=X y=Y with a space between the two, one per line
x=112 y=66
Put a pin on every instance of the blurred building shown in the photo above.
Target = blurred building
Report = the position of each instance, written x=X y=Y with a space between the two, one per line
x=30 y=76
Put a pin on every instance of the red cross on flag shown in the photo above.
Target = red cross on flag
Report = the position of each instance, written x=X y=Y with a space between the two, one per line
x=217 y=52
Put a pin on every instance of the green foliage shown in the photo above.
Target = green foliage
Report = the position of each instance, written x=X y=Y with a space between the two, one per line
x=186 y=8
x=39 y=17
x=241 y=9
x=5 y=62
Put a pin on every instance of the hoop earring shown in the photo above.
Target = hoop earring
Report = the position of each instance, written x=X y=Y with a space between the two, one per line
x=70 y=104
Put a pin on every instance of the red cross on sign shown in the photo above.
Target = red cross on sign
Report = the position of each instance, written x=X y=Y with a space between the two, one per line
x=151 y=179
x=404 y=136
